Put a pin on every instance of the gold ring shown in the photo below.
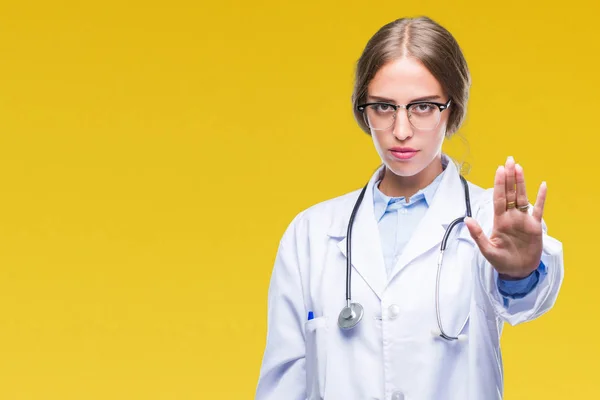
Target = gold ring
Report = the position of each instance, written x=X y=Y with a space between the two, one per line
x=524 y=208
x=510 y=204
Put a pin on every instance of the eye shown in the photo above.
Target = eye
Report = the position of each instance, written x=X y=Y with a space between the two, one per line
x=382 y=108
x=423 y=108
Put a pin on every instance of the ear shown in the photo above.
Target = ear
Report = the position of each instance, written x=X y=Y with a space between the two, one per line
x=449 y=132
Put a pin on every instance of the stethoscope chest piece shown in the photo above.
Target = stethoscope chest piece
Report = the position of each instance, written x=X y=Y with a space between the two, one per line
x=350 y=316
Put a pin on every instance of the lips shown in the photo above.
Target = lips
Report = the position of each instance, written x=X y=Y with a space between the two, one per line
x=403 y=149
x=403 y=153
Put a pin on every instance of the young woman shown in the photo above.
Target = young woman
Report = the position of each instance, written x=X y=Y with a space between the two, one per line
x=400 y=290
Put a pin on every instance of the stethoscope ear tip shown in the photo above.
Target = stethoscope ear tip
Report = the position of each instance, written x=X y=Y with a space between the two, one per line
x=437 y=334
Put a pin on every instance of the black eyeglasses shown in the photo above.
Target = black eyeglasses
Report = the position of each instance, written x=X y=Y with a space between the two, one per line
x=422 y=115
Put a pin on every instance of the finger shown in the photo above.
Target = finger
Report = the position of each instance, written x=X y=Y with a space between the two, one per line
x=500 y=191
x=521 y=189
x=538 y=208
x=479 y=236
x=511 y=194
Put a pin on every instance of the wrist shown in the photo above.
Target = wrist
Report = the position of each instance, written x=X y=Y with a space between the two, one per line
x=516 y=277
x=506 y=277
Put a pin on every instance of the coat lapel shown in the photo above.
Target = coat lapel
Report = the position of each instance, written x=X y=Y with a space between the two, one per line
x=447 y=205
x=367 y=256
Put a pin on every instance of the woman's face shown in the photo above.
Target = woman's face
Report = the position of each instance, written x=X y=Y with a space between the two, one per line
x=405 y=150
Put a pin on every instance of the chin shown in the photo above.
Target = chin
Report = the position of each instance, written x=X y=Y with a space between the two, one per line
x=404 y=169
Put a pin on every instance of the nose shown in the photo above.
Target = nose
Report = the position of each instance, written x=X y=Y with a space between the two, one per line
x=402 y=129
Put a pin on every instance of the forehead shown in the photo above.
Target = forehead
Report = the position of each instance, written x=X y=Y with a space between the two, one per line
x=404 y=80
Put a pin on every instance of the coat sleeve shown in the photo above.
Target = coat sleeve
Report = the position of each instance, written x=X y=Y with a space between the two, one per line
x=536 y=303
x=282 y=374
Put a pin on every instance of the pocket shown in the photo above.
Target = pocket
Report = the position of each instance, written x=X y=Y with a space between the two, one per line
x=316 y=357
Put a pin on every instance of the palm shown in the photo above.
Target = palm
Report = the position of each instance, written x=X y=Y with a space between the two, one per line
x=514 y=247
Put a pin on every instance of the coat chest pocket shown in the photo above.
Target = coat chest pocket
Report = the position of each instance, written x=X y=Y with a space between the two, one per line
x=316 y=357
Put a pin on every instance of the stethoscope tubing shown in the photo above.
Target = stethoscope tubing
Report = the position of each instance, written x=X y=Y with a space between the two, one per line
x=348 y=318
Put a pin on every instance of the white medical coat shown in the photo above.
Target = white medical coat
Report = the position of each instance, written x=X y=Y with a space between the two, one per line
x=392 y=353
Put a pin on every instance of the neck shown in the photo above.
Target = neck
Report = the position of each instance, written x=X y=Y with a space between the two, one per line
x=393 y=185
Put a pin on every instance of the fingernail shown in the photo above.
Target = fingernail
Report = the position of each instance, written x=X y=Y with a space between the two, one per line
x=510 y=158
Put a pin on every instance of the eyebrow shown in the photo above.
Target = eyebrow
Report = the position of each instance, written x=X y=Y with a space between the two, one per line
x=387 y=100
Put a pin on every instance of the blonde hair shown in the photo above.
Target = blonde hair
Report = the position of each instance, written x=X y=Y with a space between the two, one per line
x=426 y=41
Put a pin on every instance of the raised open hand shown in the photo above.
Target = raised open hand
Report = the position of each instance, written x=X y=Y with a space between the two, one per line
x=514 y=247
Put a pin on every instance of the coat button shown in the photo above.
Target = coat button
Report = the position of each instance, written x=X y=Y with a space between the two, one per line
x=398 y=396
x=393 y=311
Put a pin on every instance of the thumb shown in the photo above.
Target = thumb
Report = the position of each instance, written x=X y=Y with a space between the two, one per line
x=478 y=235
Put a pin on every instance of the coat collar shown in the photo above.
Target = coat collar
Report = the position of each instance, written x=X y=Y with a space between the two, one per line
x=367 y=257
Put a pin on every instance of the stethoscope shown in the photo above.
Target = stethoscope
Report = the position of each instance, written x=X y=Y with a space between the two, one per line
x=352 y=313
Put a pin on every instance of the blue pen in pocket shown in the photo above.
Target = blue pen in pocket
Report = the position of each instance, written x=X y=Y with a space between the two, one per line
x=311 y=315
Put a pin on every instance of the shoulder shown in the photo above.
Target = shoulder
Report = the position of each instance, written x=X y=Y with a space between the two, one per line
x=328 y=217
